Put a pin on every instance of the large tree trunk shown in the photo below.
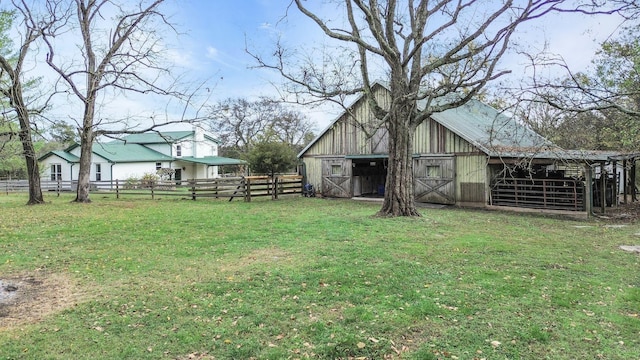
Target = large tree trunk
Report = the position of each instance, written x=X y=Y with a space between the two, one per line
x=398 y=196
x=84 y=173
x=33 y=170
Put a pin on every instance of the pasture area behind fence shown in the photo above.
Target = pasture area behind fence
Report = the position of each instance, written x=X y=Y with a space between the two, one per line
x=240 y=188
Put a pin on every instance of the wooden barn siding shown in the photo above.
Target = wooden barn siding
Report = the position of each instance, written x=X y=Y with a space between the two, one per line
x=313 y=168
x=471 y=179
x=433 y=138
x=346 y=138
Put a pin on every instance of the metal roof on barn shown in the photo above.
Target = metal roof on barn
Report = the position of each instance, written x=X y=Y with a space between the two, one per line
x=493 y=132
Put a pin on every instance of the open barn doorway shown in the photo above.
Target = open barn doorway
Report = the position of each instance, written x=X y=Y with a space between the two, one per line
x=369 y=176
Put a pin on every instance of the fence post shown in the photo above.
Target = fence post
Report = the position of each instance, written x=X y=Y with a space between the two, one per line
x=274 y=189
x=152 y=194
x=243 y=186
x=117 y=189
x=247 y=194
x=58 y=188
x=193 y=189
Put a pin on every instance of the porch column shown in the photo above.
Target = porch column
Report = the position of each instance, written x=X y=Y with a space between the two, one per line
x=588 y=189
x=625 y=179
x=634 y=196
x=614 y=195
x=603 y=185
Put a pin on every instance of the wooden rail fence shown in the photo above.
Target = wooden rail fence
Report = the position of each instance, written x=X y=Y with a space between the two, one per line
x=244 y=188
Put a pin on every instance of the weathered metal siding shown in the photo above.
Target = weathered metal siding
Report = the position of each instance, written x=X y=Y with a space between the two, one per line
x=471 y=179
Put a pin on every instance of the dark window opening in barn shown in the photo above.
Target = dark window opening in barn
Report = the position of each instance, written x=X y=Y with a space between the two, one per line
x=158 y=166
x=98 y=172
x=178 y=150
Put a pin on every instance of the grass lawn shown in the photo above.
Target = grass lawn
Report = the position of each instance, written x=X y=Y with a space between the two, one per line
x=312 y=278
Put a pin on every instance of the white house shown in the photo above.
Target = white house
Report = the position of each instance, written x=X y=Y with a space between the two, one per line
x=190 y=154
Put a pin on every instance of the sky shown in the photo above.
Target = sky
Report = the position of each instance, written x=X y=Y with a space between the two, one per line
x=219 y=31
x=215 y=33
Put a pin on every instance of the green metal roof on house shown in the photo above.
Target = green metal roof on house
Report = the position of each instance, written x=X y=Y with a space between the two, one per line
x=156 y=137
x=212 y=160
x=119 y=152
x=163 y=137
x=61 y=154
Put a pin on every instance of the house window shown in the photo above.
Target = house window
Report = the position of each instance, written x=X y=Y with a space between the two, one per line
x=433 y=171
x=56 y=172
x=98 y=172
x=158 y=166
x=336 y=170
x=178 y=150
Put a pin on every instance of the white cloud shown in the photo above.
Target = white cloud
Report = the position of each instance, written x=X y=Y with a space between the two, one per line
x=212 y=53
x=180 y=58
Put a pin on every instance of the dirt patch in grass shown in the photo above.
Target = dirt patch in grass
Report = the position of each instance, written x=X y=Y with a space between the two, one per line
x=627 y=213
x=27 y=298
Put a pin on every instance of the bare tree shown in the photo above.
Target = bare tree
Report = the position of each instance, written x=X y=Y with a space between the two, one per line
x=436 y=55
x=13 y=83
x=120 y=53
x=598 y=108
x=241 y=123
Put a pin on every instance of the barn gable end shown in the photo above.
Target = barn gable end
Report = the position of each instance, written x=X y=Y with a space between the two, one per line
x=360 y=148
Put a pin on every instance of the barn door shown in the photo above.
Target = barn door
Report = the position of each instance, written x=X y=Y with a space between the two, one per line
x=336 y=178
x=434 y=180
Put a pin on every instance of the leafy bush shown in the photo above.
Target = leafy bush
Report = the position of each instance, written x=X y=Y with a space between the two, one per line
x=271 y=158
x=149 y=180
x=131 y=183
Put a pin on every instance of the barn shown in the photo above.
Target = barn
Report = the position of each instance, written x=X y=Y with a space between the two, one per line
x=472 y=155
